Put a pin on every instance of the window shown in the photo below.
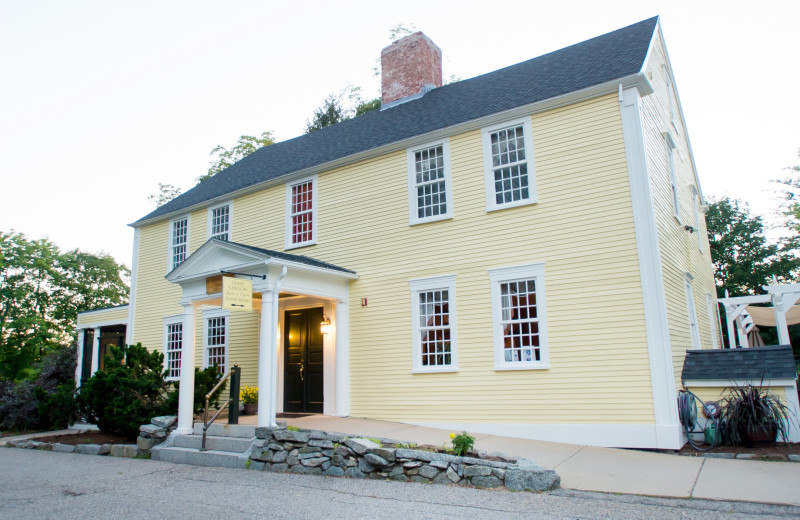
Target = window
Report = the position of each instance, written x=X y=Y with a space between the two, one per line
x=216 y=339
x=179 y=238
x=694 y=328
x=219 y=222
x=301 y=201
x=676 y=205
x=430 y=197
x=508 y=165
x=696 y=209
x=433 y=324
x=712 y=322
x=173 y=342
x=518 y=315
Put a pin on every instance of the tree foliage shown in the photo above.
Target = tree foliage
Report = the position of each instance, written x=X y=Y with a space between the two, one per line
x=129 y=392
x=42 y=290
x=166 y=192
x=224 y=157
x=743 y=259
x=341 y=106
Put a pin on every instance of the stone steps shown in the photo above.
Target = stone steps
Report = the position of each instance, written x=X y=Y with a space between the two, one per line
x=210 y=458
x=227 y=430
x=214 y=443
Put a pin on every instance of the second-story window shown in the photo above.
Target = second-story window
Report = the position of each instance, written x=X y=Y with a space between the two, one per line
x=219 y=225
x=179 y=238
x=301 y=204
x=429 y=183
x=508 y=165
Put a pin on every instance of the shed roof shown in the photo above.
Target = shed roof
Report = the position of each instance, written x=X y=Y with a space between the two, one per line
x=737 y=364
x=596 y=61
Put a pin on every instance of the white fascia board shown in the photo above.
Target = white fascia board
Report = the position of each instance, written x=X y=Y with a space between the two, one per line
x=98 y=324
x=745 y=300
x=638 y=80
x=88 y=314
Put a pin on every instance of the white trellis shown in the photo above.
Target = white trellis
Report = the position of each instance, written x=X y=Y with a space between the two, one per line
x=782 y=297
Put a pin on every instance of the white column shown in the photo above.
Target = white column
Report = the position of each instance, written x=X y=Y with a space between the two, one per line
x=79 y=365
x=729 y=318
x=780 y=318
x=266 y=385
x=342 y=329
x=95 y=350
x=186 y=393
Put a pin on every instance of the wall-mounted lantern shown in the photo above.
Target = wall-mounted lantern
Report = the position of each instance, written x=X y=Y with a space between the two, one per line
x=325 y=326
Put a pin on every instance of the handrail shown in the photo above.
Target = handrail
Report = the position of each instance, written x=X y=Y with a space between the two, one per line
x=206 y=422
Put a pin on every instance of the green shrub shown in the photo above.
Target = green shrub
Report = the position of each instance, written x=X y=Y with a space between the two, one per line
x=128 y=393
x=462 y=443
x=204 y=381
x=57 y=409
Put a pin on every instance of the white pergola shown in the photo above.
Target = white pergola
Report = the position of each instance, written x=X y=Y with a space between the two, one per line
x=783 y=298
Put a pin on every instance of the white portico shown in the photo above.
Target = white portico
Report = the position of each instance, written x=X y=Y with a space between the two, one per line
x=282 y=283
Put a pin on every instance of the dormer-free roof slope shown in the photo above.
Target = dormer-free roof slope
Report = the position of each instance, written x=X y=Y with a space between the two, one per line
x=603 y=59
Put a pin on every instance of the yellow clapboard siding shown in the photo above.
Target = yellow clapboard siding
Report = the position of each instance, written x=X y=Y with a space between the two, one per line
x=116 y=315
x=581 y=227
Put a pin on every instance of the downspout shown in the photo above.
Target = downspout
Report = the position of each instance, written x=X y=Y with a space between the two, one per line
x=273 y=365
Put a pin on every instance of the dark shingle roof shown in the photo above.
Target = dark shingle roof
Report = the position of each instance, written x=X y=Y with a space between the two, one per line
x=775 y=362
x=599 y=60
x=300 y=259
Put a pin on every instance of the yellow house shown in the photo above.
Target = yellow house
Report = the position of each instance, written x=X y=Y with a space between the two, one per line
x=522 y=253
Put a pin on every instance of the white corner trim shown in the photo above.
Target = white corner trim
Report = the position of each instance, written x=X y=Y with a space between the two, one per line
x=665 y=437
x=413 y=216
x=416 y=286
x=659 y=350
x=132 y=294
x=488 y=173
x=288 y=213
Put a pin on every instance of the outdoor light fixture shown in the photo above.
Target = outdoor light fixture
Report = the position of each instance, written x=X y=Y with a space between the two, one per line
x=325 y=326
x=688 y=228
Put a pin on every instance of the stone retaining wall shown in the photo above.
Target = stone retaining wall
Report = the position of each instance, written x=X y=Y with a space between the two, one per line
x=334 y=454
x=130 y=451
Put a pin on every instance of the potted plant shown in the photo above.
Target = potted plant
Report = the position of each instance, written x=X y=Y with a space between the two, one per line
x=249 y=397
x=753 y=416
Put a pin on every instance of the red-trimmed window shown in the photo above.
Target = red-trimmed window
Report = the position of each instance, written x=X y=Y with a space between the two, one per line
x=302 y=213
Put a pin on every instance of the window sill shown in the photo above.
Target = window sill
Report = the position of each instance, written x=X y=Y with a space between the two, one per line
x=297 y=246
x=430 y=219
x=499 y=207
x=447 y=370
x=504 y=368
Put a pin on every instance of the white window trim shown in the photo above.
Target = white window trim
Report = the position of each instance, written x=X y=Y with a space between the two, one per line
x=170 y=239
x=210 y=217
x=413 y=217
x=216 y=313
x=510 y=274
x=429 y=284
x=288 y=213
x=172 y=320
x=673 y=177
x=697 y=223
x=488 y=174
x=691 y=312
x=712 y=322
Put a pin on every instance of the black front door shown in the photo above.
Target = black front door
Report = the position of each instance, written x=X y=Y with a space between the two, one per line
x=302 y=344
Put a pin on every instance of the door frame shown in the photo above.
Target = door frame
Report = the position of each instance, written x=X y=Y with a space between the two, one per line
x=328 y=350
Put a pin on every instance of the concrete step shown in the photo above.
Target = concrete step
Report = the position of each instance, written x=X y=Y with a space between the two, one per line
x=214 y=442
x=227 y=430
x=211 y=458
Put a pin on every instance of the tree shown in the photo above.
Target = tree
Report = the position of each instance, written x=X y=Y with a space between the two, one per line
x=246 y=145
x=743 y=259
x=335 y=110
x=166 y=192
x=42 y=290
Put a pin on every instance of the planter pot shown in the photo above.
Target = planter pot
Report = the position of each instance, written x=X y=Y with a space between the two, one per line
x=251 y=408
x=761 y=438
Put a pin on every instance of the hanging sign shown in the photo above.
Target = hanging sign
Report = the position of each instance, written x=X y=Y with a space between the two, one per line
x=237 y=294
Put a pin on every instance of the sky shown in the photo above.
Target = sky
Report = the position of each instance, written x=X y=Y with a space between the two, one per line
x=100 y=101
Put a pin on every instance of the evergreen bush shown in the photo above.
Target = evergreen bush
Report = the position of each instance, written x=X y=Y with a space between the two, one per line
x=128 y=393
x=204 y=381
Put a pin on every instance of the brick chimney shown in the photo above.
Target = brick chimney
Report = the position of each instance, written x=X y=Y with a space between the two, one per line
x=409 y=65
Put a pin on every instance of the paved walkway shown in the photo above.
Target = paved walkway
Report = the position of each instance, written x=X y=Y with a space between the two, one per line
x=610 y=470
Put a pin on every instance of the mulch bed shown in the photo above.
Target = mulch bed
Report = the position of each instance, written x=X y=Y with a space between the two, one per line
x=778 y=452
x=89 y=437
